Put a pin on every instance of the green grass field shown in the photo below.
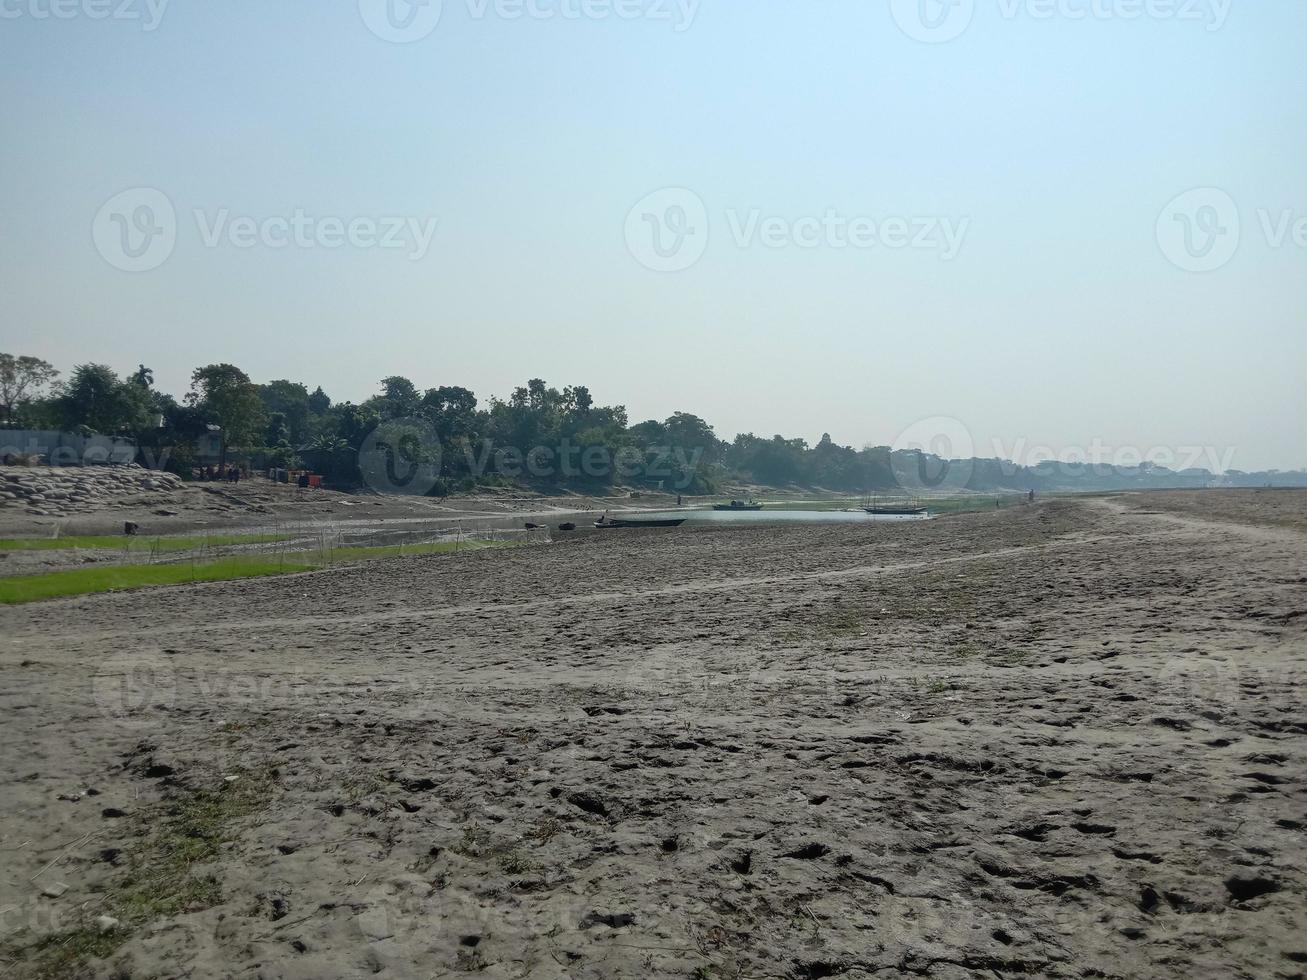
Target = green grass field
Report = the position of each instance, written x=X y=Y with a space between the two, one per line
x=107 y=578
x=137 y=543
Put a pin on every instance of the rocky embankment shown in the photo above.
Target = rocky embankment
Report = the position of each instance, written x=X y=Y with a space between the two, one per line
x=56 y=491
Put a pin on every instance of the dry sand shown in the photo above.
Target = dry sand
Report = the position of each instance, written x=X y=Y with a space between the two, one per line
x=169 y=506
x=1062 y=740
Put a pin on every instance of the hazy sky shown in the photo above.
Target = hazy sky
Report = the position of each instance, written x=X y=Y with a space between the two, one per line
x=976 y=226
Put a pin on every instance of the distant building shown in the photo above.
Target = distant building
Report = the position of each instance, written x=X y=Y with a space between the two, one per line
x=208 y=447
x=66 y=448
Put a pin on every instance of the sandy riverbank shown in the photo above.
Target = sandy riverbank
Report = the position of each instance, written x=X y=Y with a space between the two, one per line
x=1061 y=740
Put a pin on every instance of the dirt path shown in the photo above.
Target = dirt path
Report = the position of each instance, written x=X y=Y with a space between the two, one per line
x=1063 y=740
x=1253 y=525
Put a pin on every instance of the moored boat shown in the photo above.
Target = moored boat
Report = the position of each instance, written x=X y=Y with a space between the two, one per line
x=608 y=522
x=739 y=505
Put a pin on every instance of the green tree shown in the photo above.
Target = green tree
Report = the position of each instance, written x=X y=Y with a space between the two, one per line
x=399 y=398
x=276 y=431
x=21 y=378
x=290 y=400
x=453 y=412
x=319 y=403
x=224 y=393
x=94 y=400
x=692 y=434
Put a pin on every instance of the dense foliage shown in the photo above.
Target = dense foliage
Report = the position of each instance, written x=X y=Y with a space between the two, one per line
x=539 y=436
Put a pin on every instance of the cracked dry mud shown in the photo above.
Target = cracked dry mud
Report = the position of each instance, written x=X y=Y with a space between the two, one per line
x=1064 y=740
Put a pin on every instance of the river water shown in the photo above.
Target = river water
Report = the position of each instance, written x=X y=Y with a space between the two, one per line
x=769 y=516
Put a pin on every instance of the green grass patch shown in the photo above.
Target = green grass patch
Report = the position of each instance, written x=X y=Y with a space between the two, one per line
x=161 y=879
x=63 y=953
x=137 y=543
x=108 y=578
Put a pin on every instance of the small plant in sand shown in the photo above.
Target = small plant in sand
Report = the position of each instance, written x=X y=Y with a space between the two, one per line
x=472 y=841
x=544 y=829
x=966 y=651
x=360 y=786
x=187 y=830
x=841 y=622
x=514 y=861
x=1006 y=656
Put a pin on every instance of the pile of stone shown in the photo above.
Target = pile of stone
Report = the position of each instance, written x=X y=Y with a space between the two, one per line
x=52 y=491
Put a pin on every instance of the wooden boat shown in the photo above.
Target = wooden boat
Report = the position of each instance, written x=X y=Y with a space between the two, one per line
x=901 y=511
x=656 y=522
x=738 y=505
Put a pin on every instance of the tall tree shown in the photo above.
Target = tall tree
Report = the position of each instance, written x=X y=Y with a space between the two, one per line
x=94 y=399
x=20 y=379
x=319 y=403
x=399 y=398
x=452 y=410
x=291 y=400
x=227 y=397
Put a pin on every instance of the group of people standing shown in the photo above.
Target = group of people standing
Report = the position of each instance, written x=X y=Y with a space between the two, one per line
x=232 y=474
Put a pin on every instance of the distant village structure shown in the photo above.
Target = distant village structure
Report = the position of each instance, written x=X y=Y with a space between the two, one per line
x=66 y=448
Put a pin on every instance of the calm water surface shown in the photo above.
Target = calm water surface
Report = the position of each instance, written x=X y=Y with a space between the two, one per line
x=768 y=516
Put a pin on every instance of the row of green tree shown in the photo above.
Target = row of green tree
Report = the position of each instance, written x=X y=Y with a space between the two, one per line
x=538 y=435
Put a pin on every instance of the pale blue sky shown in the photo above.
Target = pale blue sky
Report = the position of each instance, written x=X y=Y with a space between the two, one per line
x=1057 y=140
